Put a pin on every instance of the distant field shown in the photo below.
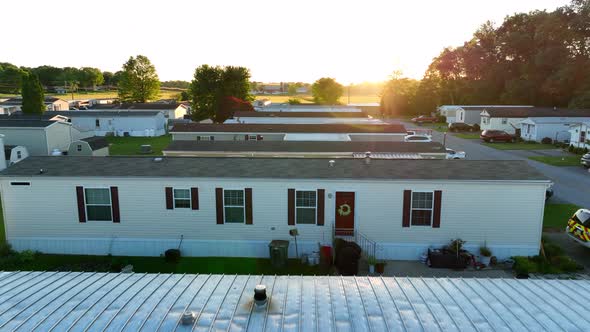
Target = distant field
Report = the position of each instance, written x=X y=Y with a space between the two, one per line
x=354 y=99
x=168 y=94
x=164 y=94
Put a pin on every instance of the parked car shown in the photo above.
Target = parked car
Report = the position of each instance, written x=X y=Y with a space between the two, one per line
x=410 y=132
x=585 y=160
x=492 y=136
x=452 y=154
x=423 y=119
x=418 y=138
x=458 y=126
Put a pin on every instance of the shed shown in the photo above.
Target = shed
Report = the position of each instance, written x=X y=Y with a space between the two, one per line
x=14 y=153
x=90 y=146
x=39 y=136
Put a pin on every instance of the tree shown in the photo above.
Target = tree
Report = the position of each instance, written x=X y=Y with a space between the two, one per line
x=326 y=91
x=32 y=93
x=210 y=87
x=398 y=96
x=10 y=78
x=228 y=106
x=139 y=81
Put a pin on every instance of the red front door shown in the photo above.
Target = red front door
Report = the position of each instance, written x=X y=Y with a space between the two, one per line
x=344 y=213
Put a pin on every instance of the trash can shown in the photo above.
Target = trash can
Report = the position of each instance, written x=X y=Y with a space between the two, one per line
x=279 y=253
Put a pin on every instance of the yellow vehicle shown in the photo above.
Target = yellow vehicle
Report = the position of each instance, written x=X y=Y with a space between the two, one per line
x=578 y=227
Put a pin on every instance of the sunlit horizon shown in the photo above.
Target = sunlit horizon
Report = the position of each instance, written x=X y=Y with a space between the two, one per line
x=354 y=42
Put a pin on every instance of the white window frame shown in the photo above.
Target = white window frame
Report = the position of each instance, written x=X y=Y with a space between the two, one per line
x=79 y=147
x=19 y=155
x=190 y=198
x=307 y=207
x=97 y=123
x=421 y=209
x=583 y=136
x=252 y=137
x=205 y=138
x=109 y=205
x=243 y=206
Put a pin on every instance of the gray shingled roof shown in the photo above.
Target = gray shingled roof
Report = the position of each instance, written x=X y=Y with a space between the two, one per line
x=288 y=128
x=24 y=123
x=526 y=112
x=137 y=106
x=304 y=146
x=301 y=114
x=297 y=168
x=115 y=112
x=96 y=142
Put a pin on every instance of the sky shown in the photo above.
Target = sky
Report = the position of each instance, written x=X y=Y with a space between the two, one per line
x=351 y=41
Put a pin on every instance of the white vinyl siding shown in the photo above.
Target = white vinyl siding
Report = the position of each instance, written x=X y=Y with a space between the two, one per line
x=233 y=206
x=491 y=210
x=182 y=198
x=422 y=208
x=98 y=204
x=305 y=207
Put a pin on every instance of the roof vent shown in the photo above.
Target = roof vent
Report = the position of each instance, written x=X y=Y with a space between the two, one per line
x=41 y=171
x=158 y=159
x=260 y=297
x=188 y=318
x=367 y=157
x=331 y=162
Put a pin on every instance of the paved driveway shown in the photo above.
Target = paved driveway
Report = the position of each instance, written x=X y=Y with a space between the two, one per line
x=571 y=184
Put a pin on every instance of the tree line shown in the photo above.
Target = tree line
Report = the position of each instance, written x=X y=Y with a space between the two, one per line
x=538 y=58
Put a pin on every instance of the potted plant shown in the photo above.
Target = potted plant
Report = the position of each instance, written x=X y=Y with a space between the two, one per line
x=485 y=255
x=372 y=261
x=380 y=267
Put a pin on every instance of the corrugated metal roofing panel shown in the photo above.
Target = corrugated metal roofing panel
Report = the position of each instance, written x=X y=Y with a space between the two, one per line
x=79 y=301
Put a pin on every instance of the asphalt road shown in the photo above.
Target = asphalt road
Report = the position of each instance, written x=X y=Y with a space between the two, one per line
x=571 y=184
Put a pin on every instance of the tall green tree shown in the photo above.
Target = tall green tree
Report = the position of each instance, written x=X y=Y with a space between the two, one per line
x=32 y=94
x=139 y=81
x=210 y=87
x=327 y=91
x=10 y=78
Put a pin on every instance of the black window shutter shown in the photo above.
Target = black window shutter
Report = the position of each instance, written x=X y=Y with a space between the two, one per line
x=259 y=137
x=291 y=207
x=249 y=215
x=246 y=137
x=321 y=207
x=407 y=208
x=437 y=208
x=81 y=205
x=195 y=198
x=219 y=205
x=169 y=199
x=115 y=204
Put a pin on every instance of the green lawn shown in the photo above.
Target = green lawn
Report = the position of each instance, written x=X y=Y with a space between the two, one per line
x=225 y=265
x=557 y=215
x=122 y=146
x=558 y=161
x=467 y=135
x=520 y=146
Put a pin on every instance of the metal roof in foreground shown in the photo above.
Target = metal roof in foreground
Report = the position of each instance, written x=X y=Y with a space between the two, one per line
x=84 y=301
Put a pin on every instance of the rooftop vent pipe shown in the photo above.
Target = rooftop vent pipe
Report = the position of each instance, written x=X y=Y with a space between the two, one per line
x=260 y=295
x=331 y=162
x=188 y=318
x=368 y=158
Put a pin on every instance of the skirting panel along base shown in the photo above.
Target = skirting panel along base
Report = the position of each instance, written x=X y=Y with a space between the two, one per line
x=230 y=248
x=154 y=247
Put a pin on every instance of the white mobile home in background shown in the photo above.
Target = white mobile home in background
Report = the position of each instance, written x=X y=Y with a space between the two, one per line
x=118 y=123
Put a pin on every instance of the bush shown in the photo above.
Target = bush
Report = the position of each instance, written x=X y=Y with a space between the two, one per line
x=26 y=256
x=172 y=255
x=441 y=119
x=485 y=251
x=6 y=250
x=571 y=148
x=294 y=101
x=546 y=140
x=523 y=266
x=552 y=250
